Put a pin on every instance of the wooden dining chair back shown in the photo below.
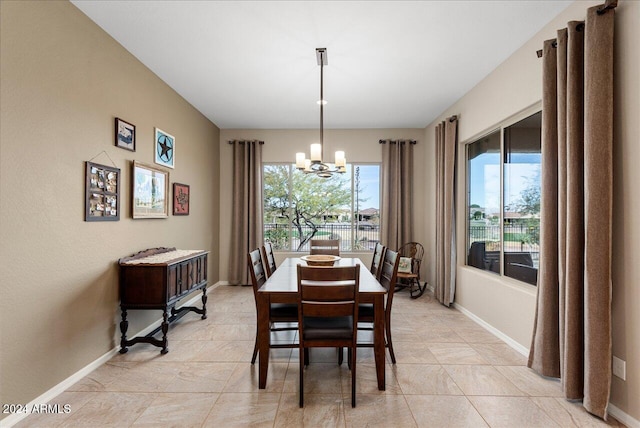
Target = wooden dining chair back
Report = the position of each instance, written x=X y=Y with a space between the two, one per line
x=256 y=270
x=325 y=246
x=378 y=254
x=327 y=313
x=269 y=259
x=388 y=278
x=413 y=252
x=278 y=312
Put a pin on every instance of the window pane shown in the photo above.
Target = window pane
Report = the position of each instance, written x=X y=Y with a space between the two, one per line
x=299 y=207
x=276 y=206
x=483 y=157
x=316 y=204
x=366 y=188
x=521 y=233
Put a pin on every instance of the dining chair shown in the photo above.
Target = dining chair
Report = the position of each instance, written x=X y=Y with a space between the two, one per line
x=327 y=313
x=278 y=312
x=388 y=277
x=411 y=255
x=378 y=254
x=325 y=246
x=269 y=258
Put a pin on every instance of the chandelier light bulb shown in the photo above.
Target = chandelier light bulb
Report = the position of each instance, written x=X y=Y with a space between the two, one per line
x=316 y=152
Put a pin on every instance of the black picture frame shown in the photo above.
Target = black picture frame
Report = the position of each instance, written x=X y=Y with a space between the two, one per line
x=125 y=133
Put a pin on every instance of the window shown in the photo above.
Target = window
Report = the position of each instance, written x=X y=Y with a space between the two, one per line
x=299 y=207
x=503 y=188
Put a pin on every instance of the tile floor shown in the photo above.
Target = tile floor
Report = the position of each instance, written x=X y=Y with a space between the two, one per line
x=450 y=372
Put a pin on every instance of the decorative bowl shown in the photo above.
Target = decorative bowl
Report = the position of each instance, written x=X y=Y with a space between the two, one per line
x=320 y=259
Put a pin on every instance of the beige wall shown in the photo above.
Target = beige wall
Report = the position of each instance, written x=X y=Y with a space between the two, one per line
x=63 y=82
x=514 y=86
x=360 y=145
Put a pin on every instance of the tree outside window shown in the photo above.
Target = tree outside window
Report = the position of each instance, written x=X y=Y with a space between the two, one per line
x=299 y=207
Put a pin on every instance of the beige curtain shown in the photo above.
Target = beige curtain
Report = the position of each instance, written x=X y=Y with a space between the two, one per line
x=446 y=148
x=246 y=221
x=397 y=192
x=572 y=330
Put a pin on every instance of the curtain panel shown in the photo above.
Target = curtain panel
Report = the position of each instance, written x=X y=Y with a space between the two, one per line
x=397 y=192
x=246 y=217
x=446 y=149
x=572 y=329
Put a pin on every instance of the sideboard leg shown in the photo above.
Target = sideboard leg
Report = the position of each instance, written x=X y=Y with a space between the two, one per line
x=165 y=329
x=204 y=303
x=124 y=325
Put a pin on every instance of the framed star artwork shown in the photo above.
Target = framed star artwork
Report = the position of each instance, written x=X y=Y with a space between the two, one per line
x=165 y=148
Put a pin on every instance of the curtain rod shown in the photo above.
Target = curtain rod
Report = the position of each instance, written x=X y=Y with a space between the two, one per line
x=244 y=141
x=412 y=142
x=608 y=5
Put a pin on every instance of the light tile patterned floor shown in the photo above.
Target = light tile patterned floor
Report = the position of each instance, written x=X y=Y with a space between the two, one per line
x=450 y=372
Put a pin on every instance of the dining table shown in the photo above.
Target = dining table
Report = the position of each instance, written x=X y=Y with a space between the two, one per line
x=282 y=287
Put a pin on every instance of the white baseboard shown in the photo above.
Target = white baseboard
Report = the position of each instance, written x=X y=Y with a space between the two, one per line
x=621 y=416
x=509 y=341
x=14 y=418
x=59 y=388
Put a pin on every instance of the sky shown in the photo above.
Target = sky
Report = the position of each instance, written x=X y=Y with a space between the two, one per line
x=484 y=182
x=369 y=185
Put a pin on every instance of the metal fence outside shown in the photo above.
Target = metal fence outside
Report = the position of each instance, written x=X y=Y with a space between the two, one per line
x=363 y=237
x=356 y=237
x=517 y=238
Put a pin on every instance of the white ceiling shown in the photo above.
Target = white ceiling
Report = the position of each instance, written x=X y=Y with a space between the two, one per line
x=392 y=64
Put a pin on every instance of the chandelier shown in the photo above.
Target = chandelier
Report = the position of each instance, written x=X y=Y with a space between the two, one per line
x=314 y=164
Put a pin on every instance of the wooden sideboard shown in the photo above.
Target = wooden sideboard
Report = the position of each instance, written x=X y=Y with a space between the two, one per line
x=158 y=278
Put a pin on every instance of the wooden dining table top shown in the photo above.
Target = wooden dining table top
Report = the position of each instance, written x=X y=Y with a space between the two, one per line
x=285 y=278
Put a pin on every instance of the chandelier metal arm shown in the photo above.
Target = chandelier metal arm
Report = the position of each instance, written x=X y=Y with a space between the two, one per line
x=314 y=165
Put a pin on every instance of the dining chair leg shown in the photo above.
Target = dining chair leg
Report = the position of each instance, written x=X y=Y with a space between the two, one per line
x=387 y=330
x=352 y=357
x=340 y=356
x=305 y=356
x=301 y=404
x=255 y=349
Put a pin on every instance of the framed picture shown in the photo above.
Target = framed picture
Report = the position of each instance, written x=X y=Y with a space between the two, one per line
x=125 y=135
x=180 y=199
x=102 y=193
x=150 y=194
x=165 y=147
